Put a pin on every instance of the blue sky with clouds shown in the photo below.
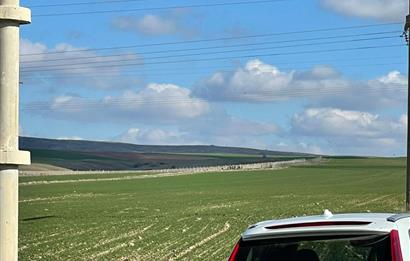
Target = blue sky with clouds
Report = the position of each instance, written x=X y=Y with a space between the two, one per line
x=276 y=78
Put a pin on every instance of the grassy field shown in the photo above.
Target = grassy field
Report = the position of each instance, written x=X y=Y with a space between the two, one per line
x=143 y=161
x=195 y=217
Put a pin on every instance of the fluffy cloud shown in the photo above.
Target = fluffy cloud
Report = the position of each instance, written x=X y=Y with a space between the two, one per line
x=148 y=24
x=294 y=146
x=335 y=122
x=219 y=123
x=220 y=128
x=70 y=138
x=227 y=131
x=54 y=70
x=386 y=10
x=322 y=85
x=151 y=137
x=165 y=103
x=154 y=25
x=214 y=126
x=352 y=132
x=257 y=82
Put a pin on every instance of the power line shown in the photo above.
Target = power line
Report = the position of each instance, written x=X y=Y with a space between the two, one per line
x=263 y=95
x=225 y=58
x=315 y=61
x=85 y=3
x=260 y=97
x=104 y=71
x=209 y=47
x=109 y=75
x=160 y=8
x=207 y=53
x=329 y=29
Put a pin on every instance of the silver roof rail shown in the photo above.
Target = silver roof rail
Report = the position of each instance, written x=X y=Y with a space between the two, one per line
x=397 y=217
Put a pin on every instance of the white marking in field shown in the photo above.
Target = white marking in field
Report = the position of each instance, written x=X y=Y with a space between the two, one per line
x=126 y=235
x=164 y=250
x=22 y=248
x=213 y=250
x=65 y=235
x=38 y=239
x=182 y=219
x=79 y=195
x=109 y=251
x=221 y=205
x=166 y=228
x=161 y=175
x=202 y=242
x=122 y=245
x=372 y=200
x=203 y=229
x=224 y=246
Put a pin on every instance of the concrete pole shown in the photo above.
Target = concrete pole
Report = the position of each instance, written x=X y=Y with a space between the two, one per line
x=11 y=16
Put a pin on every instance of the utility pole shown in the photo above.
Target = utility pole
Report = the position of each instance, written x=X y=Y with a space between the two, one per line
x=406 y=34
x=11 y=17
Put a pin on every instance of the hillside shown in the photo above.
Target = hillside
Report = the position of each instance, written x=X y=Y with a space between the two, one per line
x=93 y=155
x=27 y=143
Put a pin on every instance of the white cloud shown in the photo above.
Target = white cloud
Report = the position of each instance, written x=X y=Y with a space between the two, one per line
x=352 y=132
x=40 y=69
x=322 y=86
x=394 y=77
x=155 y=25
x=336 y=122
x=256 y=82
x=214 y=127
x=148 y=24
x=166 y=103
x=220 y=128
x=309 y=148
x=226 y=131
x=386 y=10
x=151 y=137
x=70 y=138
x=219 y=123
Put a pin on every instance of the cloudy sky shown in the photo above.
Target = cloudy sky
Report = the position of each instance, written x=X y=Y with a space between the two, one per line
x=321 y=76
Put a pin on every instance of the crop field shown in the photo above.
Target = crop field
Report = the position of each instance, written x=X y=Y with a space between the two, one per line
x=143 y=161
x=193 y=217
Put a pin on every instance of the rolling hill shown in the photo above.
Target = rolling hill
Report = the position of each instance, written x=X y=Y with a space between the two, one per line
x=96 y=155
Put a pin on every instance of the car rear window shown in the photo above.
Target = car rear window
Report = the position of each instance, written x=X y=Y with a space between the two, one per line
x=368 y=248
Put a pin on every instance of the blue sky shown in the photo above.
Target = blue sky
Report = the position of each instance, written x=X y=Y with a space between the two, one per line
x=290 y=90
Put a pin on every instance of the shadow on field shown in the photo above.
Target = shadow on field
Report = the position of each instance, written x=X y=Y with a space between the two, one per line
x=38 y=218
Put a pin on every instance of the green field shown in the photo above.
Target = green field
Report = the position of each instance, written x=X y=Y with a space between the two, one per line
x=86 y=161
x=195 y=217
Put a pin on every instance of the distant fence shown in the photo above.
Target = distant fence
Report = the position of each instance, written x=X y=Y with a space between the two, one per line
x=252 y=166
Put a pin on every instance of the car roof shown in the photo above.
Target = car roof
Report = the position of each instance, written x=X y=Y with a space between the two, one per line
x=322 y=225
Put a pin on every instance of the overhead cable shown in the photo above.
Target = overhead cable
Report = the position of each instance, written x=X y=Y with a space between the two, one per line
x=85 y=3
x=360 y=48
x=130 y=10
x=264 y=96
x=317 y=30
x=105 y=74
x=217 y=47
